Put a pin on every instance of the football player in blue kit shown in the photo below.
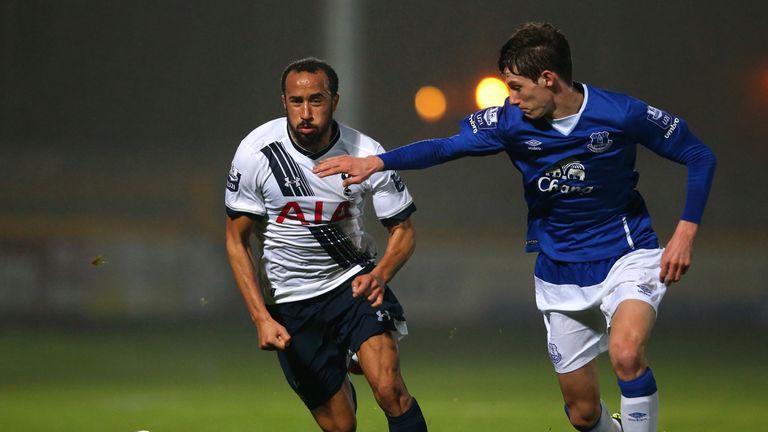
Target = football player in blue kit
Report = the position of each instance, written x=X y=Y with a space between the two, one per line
x=600 y=272
x=316 y=295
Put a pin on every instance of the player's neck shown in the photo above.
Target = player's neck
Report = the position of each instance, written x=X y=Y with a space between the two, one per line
x=311 y=148
x=568 y=101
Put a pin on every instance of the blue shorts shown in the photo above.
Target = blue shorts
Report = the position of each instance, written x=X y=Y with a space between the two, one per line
x=324 y=330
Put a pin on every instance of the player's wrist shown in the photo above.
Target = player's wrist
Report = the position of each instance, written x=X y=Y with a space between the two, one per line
x=375 y=163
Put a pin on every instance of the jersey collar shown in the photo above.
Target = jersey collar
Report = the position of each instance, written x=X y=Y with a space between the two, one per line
x=335 y=138
x=566 y=125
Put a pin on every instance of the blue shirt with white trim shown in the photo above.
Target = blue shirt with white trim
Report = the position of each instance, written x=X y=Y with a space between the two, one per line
x=579 y=177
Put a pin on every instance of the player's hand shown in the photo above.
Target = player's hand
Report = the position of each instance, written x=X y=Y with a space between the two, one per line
x=676 y=258
x=272 y=335
x=371 y=287
x=358 y=169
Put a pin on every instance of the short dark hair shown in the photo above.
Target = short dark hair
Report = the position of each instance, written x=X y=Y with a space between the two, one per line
x=534 y=48
x=312 y=65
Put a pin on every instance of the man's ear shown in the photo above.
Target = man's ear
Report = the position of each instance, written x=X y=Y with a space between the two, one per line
x=547 y=78
x=335 y=101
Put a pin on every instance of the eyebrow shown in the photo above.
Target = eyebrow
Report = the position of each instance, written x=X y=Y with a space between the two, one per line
x=313 y=95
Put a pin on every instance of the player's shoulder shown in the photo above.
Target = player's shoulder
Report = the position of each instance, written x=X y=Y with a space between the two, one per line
x=614 y=99
x=356 y=143
x=506 y=118
x=267 y=133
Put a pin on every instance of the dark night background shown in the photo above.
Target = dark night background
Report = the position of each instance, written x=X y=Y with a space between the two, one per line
x=118 y=121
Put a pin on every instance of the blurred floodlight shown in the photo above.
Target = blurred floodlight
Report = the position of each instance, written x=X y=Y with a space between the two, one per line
x=430 y=103
x=491 y=91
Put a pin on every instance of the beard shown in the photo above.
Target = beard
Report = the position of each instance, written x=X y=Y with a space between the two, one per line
x=308 y=140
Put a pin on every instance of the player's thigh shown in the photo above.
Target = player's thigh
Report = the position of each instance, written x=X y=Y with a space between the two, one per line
x=379 y=357
x=338 y=412
x=632 y=322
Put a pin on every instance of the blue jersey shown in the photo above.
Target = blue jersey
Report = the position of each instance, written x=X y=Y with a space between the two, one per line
x=579 y=183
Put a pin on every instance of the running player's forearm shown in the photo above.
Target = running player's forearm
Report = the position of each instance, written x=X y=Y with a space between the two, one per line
x=241 y=261
x=400 y=246
x=701 y=165
x=245 y=278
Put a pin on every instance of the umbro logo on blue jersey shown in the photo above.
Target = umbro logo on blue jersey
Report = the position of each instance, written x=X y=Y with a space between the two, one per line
x=533 y=144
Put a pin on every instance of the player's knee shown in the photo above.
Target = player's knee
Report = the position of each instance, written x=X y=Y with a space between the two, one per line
x=627 y=359
x=583 y=414
x=341 y=424
x=390 y=394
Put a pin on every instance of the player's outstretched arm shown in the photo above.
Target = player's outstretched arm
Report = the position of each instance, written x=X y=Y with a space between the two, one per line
x=400 y=246
x=676 y=258
x=358 y=168
x=272 y=335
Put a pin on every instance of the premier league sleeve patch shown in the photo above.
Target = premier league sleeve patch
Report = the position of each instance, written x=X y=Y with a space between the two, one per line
x=233 y=179
x=658 y=117
x=397 y=181
x=485 y=119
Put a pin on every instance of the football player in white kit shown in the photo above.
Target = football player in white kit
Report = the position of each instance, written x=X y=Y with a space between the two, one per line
x=316 y=295
x=600 y=266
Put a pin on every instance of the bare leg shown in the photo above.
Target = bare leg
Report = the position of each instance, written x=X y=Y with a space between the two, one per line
x=581 y=393
x=630 y=330
x=338 y=413
x=380 y=362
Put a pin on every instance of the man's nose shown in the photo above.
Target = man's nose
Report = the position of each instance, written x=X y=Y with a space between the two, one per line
x=306 y=111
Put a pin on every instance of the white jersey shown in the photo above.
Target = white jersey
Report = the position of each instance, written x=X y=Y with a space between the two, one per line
x=314 y=237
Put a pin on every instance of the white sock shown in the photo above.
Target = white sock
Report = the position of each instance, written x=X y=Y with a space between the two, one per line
x=640 y=414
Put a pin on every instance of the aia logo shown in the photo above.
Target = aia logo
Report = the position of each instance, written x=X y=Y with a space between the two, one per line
x=292 y=211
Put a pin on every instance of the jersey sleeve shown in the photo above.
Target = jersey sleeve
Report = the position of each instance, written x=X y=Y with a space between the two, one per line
x=243 y=194
x=479 y=134
x=669 y=136
x=392 y=202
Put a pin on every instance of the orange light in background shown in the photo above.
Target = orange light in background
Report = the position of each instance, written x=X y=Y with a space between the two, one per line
x=764 y=83
x=430 y=103
x=490 y=92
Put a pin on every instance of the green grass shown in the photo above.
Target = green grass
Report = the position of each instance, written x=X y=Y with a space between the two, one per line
x=213 y=378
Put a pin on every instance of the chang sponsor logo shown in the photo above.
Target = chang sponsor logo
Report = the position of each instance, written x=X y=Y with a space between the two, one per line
x=560 y=176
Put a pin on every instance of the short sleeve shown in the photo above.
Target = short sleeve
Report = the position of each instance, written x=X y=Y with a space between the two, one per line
x=243 y=191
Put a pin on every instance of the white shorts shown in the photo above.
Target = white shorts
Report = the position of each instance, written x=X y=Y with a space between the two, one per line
x=577 y=318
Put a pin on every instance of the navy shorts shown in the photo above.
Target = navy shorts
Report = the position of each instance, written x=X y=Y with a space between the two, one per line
x=324 y=329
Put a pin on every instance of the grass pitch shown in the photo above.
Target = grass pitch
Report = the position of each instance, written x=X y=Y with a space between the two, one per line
x=213 y=378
